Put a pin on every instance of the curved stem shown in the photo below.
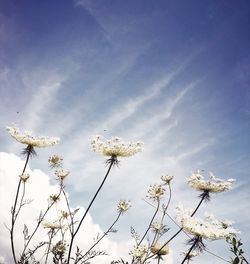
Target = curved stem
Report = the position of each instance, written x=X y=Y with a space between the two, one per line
x=109 y=229
x=152 y=219
x=111 y=162
x=203 y=197
x=50 y=239
x=39 y=222
x=13 y=213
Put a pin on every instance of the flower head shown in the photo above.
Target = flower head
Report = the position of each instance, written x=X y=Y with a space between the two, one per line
x=61 y=174
x=209 y=228
x=167 y=179
x=160 y=249
x=157 y=227
x=54 y=198
x=115 y=147
x=123 y=206
x=24 y=177
x=55 y=161
x=139 y=252
x=155 y=192
x=28 y=139
x=213 y=185
x=52 y=225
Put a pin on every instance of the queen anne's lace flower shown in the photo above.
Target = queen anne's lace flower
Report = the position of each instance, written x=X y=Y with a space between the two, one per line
x=61 y=174
x=157 y=227
x=138 y=253
x=167 y=178
x=123 y=206
x=155 y=192
x=52 y=226
x=24 y=177
x=115 y=147
x=55 y=161
x=213 y=185
x=209 y=228
x=159 y=249
x=28 y=139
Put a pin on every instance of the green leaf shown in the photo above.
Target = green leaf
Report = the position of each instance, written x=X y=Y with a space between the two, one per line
x=236 y=260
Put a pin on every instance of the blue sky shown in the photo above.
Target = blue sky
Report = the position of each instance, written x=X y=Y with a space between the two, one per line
x=174 y=74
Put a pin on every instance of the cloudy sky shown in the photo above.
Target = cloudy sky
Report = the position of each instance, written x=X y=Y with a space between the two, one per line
x=173 y=74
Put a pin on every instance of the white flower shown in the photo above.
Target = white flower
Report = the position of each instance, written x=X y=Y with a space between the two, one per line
x=157 y=227
x=139 y=252
x=55 y=161
x=52 y=225
x=61 y=174
x=167 y=179
x=213 y=185
x=115 y=147
x=191 y=255
x=159 y=249
x=155 y=192
x=24 y=177
x=123 y=206
x=209 y=228
x=28 y=139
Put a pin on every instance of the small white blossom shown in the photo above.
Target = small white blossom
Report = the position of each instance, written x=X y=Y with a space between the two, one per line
x=209 y=228
x=213 y=185
x=155 y=192
x=159 y=249
x=52 y=225
x=24 y=177
x=167 y=178
x=28 y=139
x=115 y=147
x=61 y=174
x=139 y=253
x=191 y=255
x=55 y=161
x=123 y=206
x=157 y=227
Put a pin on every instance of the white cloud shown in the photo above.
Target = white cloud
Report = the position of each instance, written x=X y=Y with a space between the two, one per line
x=39 y=187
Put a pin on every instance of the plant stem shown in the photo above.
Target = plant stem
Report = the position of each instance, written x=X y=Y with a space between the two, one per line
x=204 y=196
x=112 y=161
x=190 y=250
x=14 y=214
x=97 y=242
x=152 y=219
x=50 y=239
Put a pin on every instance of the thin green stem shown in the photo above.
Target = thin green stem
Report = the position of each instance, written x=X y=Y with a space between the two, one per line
x=112 y=161
x=13 y=212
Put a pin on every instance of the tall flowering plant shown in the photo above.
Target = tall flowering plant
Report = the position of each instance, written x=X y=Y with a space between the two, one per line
x=152 y=246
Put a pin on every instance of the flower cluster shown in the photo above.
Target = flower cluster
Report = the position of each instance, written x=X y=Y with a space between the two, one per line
x=160 y=249
x=24 y=177
x=157 y=227
x=55 y=161
x=123 y=206
x=213 y=185
x=139 y=253
x=61 y=174
x=167 y=179
x=209 y=228
x=155 y=192
x=28 y=139
x=52 y=225
x=115 y=147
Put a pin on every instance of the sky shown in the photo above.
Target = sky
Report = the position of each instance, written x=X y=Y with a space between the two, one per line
x=173 y=74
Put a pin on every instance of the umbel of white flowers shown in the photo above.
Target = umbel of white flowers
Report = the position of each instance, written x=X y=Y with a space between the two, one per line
x=115 y=147
x=27 y=138
x=209 y=228
x=213 y=185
